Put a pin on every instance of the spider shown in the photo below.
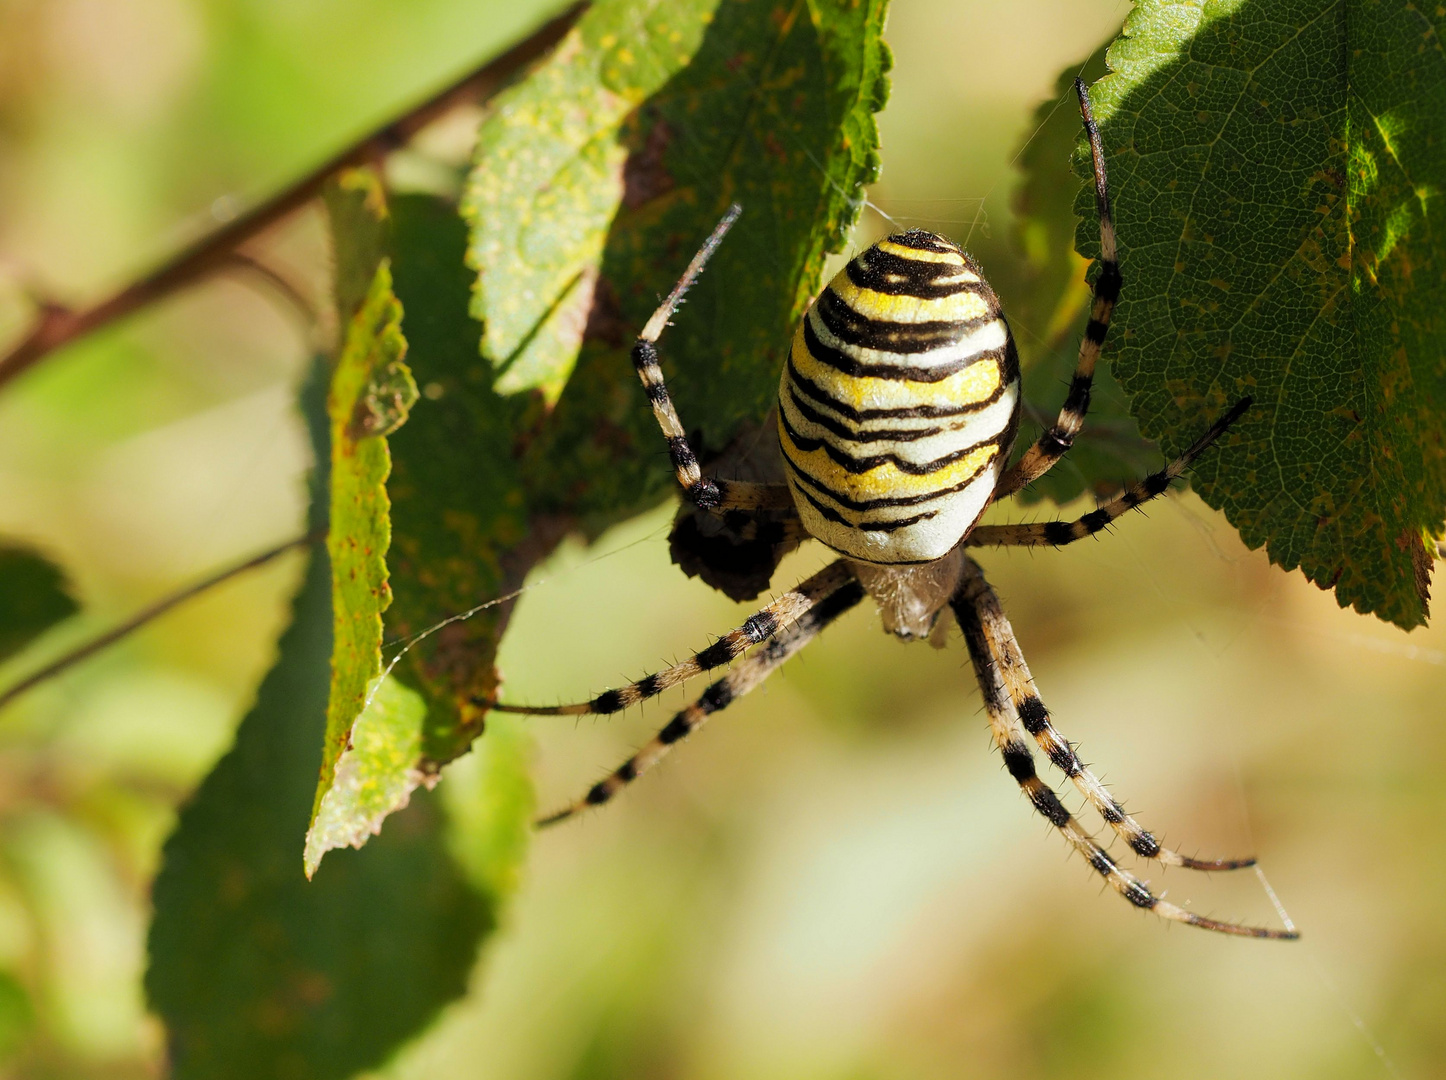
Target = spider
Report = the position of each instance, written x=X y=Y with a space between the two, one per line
x=897 y=411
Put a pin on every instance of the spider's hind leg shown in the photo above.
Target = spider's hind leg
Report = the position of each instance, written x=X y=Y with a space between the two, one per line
x=997 y=637
x=1013 y=706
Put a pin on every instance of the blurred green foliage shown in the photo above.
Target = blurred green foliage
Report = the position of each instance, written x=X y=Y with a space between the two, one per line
x=33 y=598
x=259 y=971
x=835 y=881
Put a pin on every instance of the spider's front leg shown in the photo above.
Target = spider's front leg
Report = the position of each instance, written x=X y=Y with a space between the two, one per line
x=1014 y=708
x=1056 y=441
x=792 y=607
x=717 y=697
x=703 y=491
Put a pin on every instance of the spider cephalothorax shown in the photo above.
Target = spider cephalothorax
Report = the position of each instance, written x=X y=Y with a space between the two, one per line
x=898 y=406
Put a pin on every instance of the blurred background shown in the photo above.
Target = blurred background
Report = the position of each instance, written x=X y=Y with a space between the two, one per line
x=836 y=880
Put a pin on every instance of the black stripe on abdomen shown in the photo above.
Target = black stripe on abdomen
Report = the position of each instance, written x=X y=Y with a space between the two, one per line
x=851 y=328
x=841 y=361
x=866 y=464
x=883 y=525
x=862 y=505
x=859 y=435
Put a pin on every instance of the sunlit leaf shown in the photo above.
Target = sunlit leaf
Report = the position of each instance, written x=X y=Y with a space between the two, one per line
x=549 y=178
x=371 y=394
x=374 y=775
x=775 y=110
x=1275 y=166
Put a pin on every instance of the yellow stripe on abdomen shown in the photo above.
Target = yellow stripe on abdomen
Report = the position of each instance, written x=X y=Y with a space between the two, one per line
x=903 y=308
x=890 y=479
x=972 y=385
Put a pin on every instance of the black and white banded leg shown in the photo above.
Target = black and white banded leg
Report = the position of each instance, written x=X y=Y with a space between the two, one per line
x=1056 y=533
x=743 y=678
x=1055 y=442
x=766 y=623
x=705 y=492
x=1024 y=700
x=1001 y=676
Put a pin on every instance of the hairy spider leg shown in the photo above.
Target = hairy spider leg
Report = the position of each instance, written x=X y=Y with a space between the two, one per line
x=1057 y=533
x=743 y=678
x=704 y=492
x=1056 y=441
x=976 y=608
x=1024 y=699
x=777 y=617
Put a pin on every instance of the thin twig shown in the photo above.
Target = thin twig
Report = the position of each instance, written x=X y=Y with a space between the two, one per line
x=148 y=614
x=57 y=325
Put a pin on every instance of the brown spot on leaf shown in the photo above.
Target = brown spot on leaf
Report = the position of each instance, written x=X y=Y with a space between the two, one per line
x=605 y=317
x=384 y=405
x=644 y=175
x=1422 y=563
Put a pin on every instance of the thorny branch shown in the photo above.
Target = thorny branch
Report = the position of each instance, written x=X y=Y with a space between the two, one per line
x=57 y=325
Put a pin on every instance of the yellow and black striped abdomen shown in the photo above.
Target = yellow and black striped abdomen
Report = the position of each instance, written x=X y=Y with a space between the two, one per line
x=899 y=402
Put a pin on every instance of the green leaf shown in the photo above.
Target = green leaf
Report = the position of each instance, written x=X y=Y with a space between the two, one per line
x=257 y=972
x=1274 y=165
x=370 y=723
x=371 y=392
x=775 y=110
x=374 y=774
x=455 y=511
x=33 y=598
x=462 y=533
x=1050 y=310
x=549 y=179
